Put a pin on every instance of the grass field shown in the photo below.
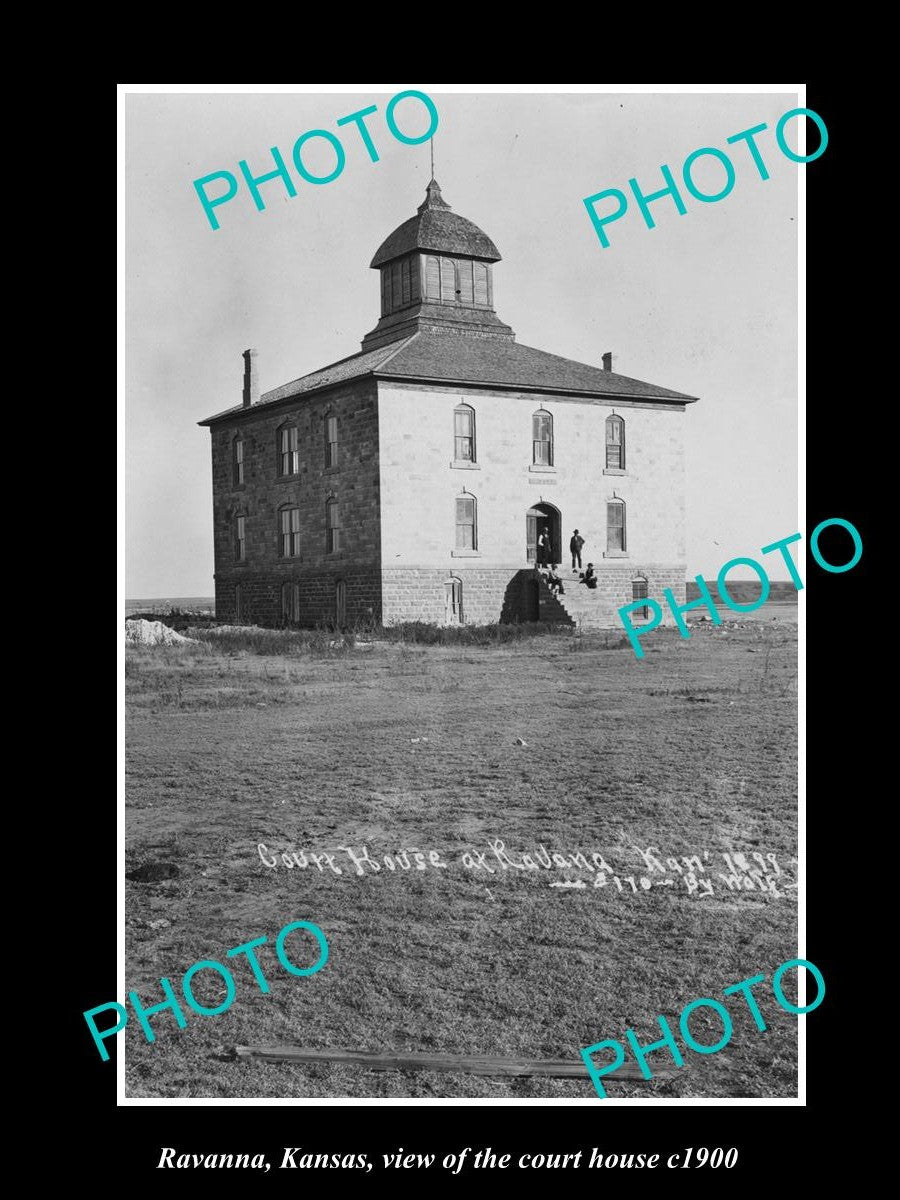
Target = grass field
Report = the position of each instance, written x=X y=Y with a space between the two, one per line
x=393 y=746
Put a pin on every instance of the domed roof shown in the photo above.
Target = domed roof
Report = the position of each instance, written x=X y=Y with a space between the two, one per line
x=436 y=227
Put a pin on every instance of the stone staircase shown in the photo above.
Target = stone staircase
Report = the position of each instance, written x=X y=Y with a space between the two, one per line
x=585 y=608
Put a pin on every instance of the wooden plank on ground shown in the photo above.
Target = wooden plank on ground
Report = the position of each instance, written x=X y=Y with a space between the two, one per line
x=464 y=1064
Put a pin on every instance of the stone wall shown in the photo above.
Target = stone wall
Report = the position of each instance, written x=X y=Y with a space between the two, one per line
x=354 y=483
x=420 y=481
x=261 y=597
x=489 y=596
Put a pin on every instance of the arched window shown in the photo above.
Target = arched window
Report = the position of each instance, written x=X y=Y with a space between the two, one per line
x=290 y=602
x=237 y=461
x=289 y=531
x=238 y=603
x=332 y=526
x=615 y=443
x=615 y=525
x=288 y=442
x=240 y=538
x=542 y=438
x=464 y=433
x=453 y=592
x=331 y=440
x=466 y=524
x=639 y=592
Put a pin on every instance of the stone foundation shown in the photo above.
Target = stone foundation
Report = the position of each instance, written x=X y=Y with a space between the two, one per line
x=261 y=597
x=491 y=595
x=393 y=595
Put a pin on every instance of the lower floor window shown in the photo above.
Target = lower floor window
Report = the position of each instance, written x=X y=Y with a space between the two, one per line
x=639 y=592
x=238 y=603
x=290 y=602
x=453 y=601
x=340 y=602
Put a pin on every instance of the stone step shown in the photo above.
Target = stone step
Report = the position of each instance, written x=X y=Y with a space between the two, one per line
x=582 y=607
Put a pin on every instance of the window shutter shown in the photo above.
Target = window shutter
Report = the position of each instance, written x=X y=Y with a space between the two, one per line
x=481 y=288
x=404 y=271
x=396 y=285
x=432 y=278
x=448 y=281
x=385 y=291
x=414 y=268
x=615 y=526
x=465 y=281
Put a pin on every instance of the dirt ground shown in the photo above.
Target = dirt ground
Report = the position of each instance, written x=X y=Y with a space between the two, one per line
x=689 y=754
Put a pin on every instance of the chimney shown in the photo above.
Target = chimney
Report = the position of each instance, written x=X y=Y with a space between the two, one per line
x=251 y=378
x=607 y=361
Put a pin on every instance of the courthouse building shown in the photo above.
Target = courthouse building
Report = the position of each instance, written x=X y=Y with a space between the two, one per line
x=412 y=480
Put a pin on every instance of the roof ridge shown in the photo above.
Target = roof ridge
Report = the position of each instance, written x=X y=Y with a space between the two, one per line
x=612 y=374
x=318 y=371
x=404 y=342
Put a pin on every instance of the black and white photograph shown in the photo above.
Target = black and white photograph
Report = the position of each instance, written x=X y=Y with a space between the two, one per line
x=464 y=570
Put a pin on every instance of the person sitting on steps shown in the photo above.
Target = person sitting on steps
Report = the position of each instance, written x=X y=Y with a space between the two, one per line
x=554 y=583
x=588 y=577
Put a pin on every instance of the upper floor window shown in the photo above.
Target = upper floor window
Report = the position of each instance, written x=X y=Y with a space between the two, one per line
x=237 y=461
x=615 y=525
x=332 y=526
x=288 y=450
x=331 y=441
x=240 y=538
x=290 y=531
x=464 y=433
x=542 y=438
x=615 y=443
x=466 y=531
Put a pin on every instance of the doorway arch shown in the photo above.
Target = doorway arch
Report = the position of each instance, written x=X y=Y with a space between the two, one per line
x=538 y=518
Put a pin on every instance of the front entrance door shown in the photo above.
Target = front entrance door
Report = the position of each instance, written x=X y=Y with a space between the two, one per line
x=538 y=519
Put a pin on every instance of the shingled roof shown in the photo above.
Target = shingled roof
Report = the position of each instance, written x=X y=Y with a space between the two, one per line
x=474 y=361
x=436 y=227
x=458 y=359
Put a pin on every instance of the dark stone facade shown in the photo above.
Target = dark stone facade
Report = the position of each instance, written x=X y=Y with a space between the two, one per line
x=353 y=483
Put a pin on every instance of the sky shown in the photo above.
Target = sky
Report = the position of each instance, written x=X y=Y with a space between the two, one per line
x=705 y=303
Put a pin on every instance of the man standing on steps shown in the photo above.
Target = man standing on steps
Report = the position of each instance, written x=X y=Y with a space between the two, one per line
x=544 y=548
x=575 y=546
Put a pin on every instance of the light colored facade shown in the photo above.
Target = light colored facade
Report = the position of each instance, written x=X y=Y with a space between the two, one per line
x=420 y=483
